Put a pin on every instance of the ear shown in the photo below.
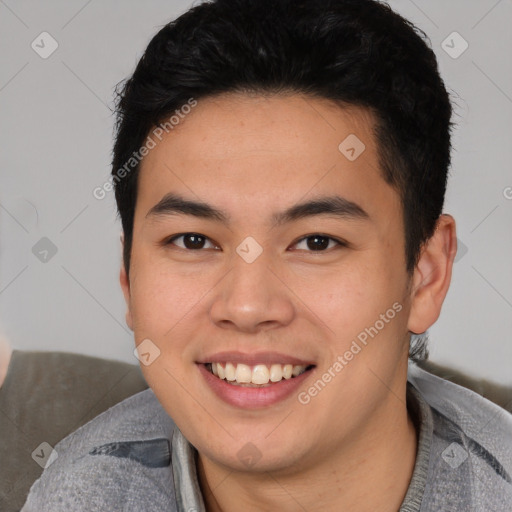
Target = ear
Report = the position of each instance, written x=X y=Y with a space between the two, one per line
x=125 y=286
x=432 y=275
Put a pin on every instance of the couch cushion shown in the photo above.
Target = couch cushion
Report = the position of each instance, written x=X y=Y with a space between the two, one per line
x=45 y=397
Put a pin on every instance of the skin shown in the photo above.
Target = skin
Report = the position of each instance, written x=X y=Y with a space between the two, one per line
x=5 y=357
x=252 y=156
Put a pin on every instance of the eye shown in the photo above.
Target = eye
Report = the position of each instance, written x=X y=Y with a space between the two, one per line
x=191 y=241
x=319 y=243
x=313 y=243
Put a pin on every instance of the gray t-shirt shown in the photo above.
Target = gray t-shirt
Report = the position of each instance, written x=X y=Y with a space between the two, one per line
x=133 y=457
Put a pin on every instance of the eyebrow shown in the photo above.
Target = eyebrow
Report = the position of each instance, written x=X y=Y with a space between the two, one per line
x=336 y=206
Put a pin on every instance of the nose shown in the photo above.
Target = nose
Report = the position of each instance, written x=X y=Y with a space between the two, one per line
x=253 y=297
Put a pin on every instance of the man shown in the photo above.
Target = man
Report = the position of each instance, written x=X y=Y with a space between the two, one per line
x=280 y=170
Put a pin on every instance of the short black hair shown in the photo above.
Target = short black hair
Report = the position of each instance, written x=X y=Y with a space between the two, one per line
x=354 y=52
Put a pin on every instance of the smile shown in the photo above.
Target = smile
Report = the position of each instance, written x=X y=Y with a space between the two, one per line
x=255 y=380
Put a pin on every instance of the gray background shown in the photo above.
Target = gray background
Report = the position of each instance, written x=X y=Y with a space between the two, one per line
x=56 y=135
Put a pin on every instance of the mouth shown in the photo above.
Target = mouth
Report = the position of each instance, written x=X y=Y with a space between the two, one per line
x=254 y=380
x=257 y=375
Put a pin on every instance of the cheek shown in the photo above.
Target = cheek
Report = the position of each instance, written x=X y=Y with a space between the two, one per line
x=347 y=297
x=364 y=303
x=159 y=300
x=162 y=304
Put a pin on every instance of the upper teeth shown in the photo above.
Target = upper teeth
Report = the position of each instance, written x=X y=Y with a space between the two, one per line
x=258 y=374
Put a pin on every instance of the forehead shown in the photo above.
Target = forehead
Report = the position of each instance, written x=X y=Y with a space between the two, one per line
x=237 y=149
x=231 y=124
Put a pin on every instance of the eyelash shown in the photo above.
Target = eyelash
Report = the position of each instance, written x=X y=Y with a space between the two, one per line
x=340 y=243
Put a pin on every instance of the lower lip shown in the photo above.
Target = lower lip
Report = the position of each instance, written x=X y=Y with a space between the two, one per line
x=253 y=398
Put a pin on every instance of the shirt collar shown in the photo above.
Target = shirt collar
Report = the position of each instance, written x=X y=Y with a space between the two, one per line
x=421 y=415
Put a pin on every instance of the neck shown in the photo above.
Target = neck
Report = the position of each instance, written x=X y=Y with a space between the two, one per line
x=380 y=458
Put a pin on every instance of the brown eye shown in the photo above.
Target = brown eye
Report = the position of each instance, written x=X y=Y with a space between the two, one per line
x=318 y=242
x=191 y=241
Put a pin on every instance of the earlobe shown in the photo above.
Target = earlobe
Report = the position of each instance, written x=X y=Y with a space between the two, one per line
x=432 y=275
x=125 y=287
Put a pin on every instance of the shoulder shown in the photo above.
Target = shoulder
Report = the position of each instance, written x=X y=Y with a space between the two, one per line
x=476 y=415
x=119 y=460
x=470 y=461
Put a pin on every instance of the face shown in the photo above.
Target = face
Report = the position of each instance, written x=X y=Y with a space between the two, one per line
x=296 y=257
